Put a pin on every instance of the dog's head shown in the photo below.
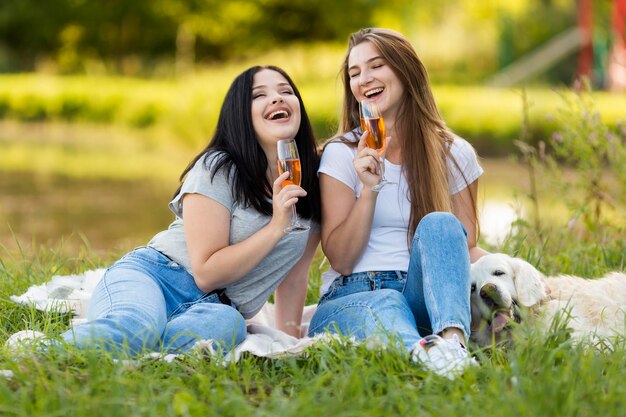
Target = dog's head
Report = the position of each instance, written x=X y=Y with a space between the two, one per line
x=500 y=284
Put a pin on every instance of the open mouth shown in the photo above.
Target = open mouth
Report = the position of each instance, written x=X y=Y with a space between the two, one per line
x=278 y=115
x=502 y=318
x=374 y=92
x=499 y=320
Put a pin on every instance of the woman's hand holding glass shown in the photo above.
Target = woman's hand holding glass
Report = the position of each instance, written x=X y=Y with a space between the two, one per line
x=372 y=122
x=289 y=163
x=283 y=199
x=367 y=163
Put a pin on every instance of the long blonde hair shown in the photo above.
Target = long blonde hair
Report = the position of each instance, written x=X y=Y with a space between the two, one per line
x=426 y=139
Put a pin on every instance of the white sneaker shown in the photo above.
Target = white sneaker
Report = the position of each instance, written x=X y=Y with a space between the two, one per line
x=445 y=357
x=24 y=338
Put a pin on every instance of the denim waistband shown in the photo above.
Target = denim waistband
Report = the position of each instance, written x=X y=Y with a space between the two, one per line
x=148 y=252
x=151 y=253
x=369 y=276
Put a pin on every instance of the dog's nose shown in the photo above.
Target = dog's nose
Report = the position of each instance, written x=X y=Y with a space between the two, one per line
x=487 y=290
x=487 y=293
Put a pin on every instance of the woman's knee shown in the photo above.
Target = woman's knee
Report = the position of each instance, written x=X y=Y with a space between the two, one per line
x=222 y=323
x=440 y=223
x=231 y=318
x=228 y=327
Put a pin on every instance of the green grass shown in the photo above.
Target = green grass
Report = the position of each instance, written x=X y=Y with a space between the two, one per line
x=332 y=380
x=541 y=374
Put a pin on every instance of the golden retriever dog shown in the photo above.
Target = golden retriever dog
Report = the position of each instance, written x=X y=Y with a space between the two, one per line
x=501 y=285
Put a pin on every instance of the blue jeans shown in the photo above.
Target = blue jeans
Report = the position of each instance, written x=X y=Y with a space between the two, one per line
x=428 y=298
x=147 y=302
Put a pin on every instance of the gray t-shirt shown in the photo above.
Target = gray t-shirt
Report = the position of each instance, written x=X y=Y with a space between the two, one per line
x=250 y=292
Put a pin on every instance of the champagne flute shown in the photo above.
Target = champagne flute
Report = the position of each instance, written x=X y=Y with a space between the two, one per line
x=289 y=161
x=372 y=122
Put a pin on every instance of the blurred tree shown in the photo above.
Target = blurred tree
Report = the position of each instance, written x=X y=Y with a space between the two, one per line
x=460 y=40
x=528 y=28
x=113 y=31
x=281 y=20
x=122 y=33
x=28 y=28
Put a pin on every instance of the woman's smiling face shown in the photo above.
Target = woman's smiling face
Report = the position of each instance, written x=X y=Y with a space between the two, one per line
x=275 y=109
x=372 y=78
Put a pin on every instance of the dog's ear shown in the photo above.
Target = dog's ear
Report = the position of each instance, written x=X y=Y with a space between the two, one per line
x=528 y=283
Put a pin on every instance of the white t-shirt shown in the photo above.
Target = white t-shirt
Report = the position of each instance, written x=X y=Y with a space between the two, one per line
x=387 y=248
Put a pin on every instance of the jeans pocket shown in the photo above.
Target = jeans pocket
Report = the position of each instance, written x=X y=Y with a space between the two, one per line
x=393 y=280
x=152 y=256
x=329 y=294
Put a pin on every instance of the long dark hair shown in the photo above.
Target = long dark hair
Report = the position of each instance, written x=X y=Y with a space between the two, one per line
x=242 y=158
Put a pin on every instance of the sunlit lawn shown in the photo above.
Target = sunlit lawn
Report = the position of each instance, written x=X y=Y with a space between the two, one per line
x=87 y=194
x=108 y=185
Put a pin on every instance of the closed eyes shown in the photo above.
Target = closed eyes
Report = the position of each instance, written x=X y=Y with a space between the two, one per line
x=258 y=95
x=373 y=66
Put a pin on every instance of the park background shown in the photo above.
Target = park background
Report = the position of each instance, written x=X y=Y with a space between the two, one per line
x=104 y=102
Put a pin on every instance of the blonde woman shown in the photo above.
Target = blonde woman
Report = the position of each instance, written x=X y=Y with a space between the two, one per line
x=399 y=257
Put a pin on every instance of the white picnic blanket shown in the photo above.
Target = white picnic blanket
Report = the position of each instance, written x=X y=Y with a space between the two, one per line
x=73 y=292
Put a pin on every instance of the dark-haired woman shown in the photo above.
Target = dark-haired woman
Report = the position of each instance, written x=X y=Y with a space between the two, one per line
x=226 y=251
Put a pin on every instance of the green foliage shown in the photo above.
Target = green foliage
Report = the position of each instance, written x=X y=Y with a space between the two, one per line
x=582 y=163
x=538 y=22
x=541 y=373
x=560 y=249
x=130 y=37
x=581 y=168
x=186 y=109
x=167 y=37
x=596 y=152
